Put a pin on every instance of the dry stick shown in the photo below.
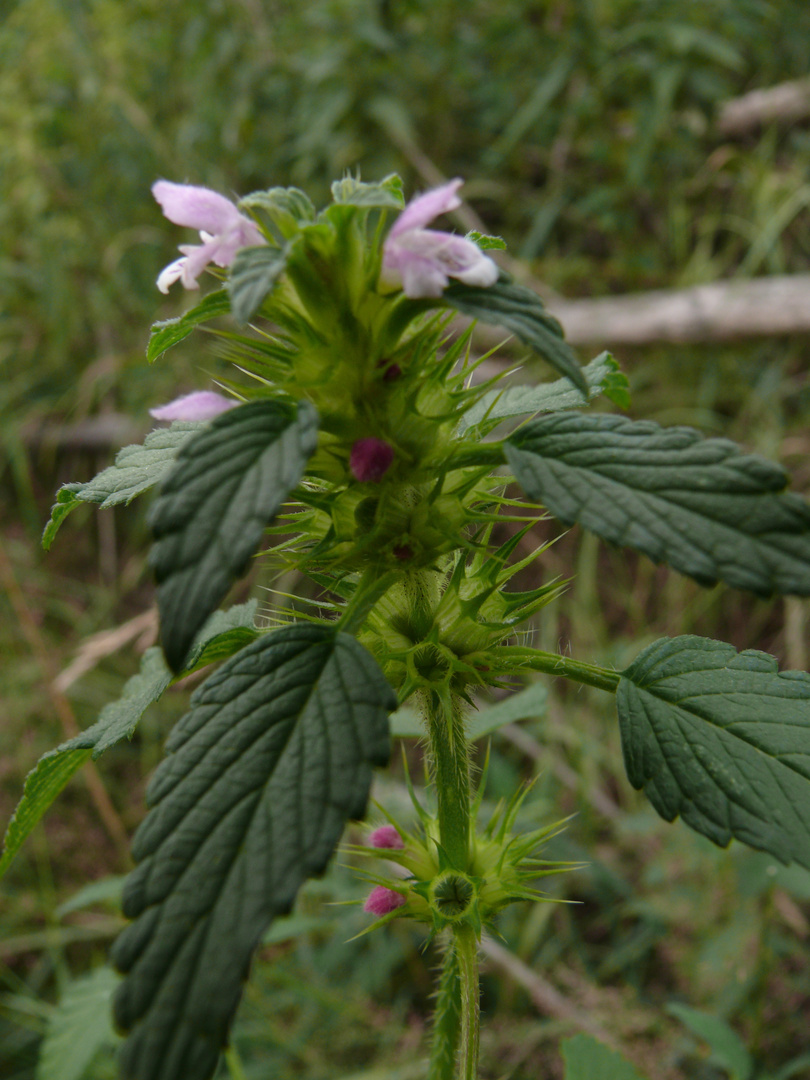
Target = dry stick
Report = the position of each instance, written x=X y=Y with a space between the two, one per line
x=784 y=103
x=721 y=311
x=545 y=997
x=107 y=812
x=105 y=643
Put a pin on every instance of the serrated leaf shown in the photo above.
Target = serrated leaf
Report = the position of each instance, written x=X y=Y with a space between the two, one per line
x=118 y=720
x=287 y=208
x=172 y=331
x=501 y=404
x=67 y=500
x=274 y=756
x=523 y=313
x=701 y=505
x=486 y=242
x=137 y=468
x=226 y=485
x=722 y=739
x=588 y=1059
x=254 y=273
x=79 y=1027
x=728 y=1049
x=387 y=194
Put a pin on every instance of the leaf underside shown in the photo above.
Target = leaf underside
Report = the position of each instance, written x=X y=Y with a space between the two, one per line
x=136 y=469
x=261 y=775
x=166 y=334
x=701 y=505
x=722 y=739
x=208 y=520
x=521 y=312
x=602 y=375
x=222 y=635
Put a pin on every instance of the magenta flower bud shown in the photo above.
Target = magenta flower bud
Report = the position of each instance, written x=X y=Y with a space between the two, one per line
x=201 y=405
x=386 y=836
x=370 y=460
x=382 y=901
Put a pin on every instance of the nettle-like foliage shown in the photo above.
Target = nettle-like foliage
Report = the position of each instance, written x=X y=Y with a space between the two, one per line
x=379 y=467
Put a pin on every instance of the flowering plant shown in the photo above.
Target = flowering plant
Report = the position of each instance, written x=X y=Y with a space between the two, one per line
x=380 y=468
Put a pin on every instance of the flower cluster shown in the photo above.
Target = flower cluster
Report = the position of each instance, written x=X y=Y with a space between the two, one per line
x=500 y=870
x=419 y=260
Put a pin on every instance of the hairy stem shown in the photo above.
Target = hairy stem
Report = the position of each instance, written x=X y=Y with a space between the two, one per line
x=446 y=1020
x=554 y=664
x=467 y=954
x=449 y=755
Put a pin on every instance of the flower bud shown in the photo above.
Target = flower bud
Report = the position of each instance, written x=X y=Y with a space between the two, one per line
x=382 y=901
x=370 y=460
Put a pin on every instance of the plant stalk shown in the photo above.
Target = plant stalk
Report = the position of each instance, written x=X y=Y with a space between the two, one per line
x=446 y=1019
x=554 y=664
x=449 y=755
x=467 y=953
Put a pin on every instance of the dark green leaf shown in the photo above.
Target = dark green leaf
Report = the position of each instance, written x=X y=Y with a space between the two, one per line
x=721 y=739
x=588 y=1059
x=603 y=377
x=166 y=334
x=261 y=775
x=522 y=312
x=227 y=484
x=223 y=634
x=386 y=195
x=137 y=468
x=702 y=505
x=253 y=275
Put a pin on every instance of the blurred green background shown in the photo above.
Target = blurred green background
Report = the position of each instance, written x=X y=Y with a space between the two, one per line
x=587 y=132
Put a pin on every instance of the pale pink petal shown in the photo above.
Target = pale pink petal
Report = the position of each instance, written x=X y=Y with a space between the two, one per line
x=421 y=278
x=196 y=207
x=198 y=256
x=386 y=836
x=200 y=405
x=425 y=208
x=173 y=272
x=382 y=901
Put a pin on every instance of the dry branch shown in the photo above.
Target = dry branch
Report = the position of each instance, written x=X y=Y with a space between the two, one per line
x=785 y=103
x=721 y=311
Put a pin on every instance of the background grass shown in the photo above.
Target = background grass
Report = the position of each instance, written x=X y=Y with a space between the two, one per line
x=587 y=132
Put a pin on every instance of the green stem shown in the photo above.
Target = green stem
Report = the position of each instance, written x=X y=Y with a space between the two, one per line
x=370 y=588
x=554 y=664
x=446 y=1020
x=467 y=953
x=449 y=755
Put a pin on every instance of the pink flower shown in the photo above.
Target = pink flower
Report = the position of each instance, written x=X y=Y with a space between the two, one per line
x=201 y=405
x=222 y=228
x=382 y=901
x=370 y=460
x=386 y=836
x=423 y=258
